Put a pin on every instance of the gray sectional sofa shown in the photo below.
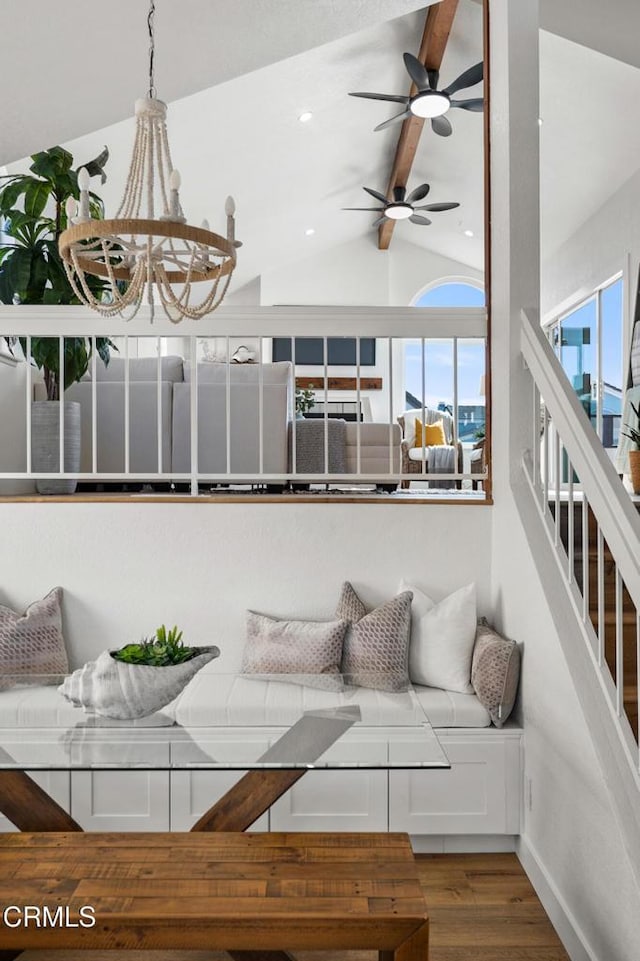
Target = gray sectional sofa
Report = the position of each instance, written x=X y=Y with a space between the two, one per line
x=230 y=422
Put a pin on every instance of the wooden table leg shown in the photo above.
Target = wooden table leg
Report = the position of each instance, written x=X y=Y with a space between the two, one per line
x=9 y=955
x=416 y=947
x=247 y=800
x=30 y=808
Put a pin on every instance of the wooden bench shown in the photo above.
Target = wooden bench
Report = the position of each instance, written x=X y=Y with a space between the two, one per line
x=227 y=891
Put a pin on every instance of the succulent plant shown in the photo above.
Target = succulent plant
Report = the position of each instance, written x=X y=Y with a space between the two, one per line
x=162 y=650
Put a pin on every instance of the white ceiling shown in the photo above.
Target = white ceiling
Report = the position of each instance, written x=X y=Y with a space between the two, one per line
x=239 y=72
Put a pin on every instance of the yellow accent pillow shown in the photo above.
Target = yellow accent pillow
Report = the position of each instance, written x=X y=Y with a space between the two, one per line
x=433 y=434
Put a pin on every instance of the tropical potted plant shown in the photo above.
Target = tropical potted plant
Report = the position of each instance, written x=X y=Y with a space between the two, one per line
x=138 y=679
x=32 y=217
x=633 y=433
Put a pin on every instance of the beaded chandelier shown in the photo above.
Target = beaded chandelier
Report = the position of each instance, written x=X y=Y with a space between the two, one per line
x=148 y=245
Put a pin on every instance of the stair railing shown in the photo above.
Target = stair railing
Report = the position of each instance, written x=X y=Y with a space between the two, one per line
x=593 y=528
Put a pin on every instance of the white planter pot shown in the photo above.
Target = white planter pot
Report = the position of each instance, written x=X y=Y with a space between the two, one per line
x=45 y=443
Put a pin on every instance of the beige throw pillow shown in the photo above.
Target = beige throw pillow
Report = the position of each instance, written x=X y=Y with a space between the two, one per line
x=495 y=672
x=376 y=647
x=311 y=650
x=32 y=643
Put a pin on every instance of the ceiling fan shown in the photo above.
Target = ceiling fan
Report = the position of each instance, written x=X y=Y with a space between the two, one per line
x=429 y=102
x=402 y=207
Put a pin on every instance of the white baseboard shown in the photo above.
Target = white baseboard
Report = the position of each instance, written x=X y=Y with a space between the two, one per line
x=462 y=843
x=567 y=928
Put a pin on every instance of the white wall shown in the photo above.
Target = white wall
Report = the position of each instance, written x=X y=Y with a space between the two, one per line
x=126 y=568
x=599 y=249
x=570 y=833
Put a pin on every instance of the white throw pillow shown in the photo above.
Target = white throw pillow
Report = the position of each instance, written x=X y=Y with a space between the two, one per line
x=442 y=639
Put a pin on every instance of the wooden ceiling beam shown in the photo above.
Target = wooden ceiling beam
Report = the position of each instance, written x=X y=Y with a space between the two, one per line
x=432 y=47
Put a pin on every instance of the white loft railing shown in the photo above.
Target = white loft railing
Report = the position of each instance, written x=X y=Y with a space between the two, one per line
x=593 y=530
x=193 y=433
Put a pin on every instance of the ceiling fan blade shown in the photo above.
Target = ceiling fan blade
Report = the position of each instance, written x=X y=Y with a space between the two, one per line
x=469 y=78
x=394 y=98
x=417 y=71
x=379 y=221
x=370 y=209
x=399 y=194
x=441 y=126
x=418 y=219
x=476 y=105
x=434 y=78
x=438 y=207
x=377 y=195
x=418 y=194
x=392 y=120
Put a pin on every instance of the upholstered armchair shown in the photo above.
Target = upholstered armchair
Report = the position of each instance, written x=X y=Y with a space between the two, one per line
x=412 y=456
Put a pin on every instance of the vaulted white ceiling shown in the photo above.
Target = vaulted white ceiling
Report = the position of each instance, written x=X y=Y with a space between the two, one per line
x=238 y=73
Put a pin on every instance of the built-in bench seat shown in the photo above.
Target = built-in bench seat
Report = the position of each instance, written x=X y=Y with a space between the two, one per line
x=476 y=803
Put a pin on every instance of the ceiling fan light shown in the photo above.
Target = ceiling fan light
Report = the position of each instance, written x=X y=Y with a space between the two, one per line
x=398 y=211
x=429 y=103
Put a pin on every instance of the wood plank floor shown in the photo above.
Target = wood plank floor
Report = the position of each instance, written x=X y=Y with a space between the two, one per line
x=482 y=908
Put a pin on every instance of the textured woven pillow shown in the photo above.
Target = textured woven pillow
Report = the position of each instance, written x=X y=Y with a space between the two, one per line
x=32 y=643
x=376 y=648
x=442 y=639
x=495 y=672
x=309 y=649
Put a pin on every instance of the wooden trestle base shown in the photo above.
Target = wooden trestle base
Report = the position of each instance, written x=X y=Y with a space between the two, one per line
x=264 y=894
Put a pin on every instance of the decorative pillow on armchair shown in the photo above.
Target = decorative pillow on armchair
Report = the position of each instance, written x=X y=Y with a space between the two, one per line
x=311 y=650
x=32 y=643
x=495 y=672
x=376 y=647
x=434 y=435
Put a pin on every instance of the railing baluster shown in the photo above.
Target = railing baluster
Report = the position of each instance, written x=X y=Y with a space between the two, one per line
x=325 y=355
x=193 y=414
x=390 y=435
x=261 y=414
x=556 y=472
x=294 y=425
x=619 y=646
x=455 y=407
x=570 y=525
x=359 y=413
x=61 y=461
x=94 y=408
x=601 y=611
x=159 y=401
x=535 y=439
x=424 y=405
x=227 y=416
x=585 y=558
x=127 y=408
x=545 y=479
x=28 y=384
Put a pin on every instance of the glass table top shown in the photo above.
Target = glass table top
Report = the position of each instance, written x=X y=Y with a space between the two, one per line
x=222 y=722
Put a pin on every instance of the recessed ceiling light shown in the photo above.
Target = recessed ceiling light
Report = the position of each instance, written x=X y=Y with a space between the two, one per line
x=305 y=117
x=309 y=232
x=468 y=233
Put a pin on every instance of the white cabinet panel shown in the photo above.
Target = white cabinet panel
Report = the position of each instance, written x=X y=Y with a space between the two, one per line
x=55 y=783
x=336 y=800
x=194 y=792
x=120 y=800
x=480 y=794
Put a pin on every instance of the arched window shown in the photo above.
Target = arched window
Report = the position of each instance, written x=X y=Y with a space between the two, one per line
x=450 y=372
x=450 y=293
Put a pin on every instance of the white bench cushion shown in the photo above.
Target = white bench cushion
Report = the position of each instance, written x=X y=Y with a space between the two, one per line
x=222 y=699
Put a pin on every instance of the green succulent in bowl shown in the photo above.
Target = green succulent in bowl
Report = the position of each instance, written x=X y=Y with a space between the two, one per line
x=164 y=649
